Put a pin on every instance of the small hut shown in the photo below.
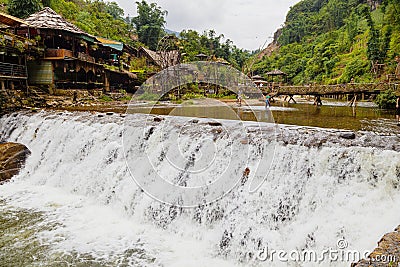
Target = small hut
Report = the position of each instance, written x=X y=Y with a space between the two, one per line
x=281 y=76
x=256 y=77
x=202 y=57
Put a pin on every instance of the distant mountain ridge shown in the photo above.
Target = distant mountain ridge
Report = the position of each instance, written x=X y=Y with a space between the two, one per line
x=168 y=31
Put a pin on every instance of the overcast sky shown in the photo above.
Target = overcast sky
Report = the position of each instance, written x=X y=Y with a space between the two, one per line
x=248 y=23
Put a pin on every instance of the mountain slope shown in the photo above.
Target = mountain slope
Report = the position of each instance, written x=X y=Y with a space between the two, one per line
x=337 y=41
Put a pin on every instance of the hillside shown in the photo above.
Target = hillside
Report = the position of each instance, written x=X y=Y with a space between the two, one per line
x=337 y=41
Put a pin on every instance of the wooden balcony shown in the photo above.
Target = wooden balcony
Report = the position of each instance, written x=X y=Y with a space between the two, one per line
x=13 y=71
x=86 y=57
x=58 y=54
x=64 y=54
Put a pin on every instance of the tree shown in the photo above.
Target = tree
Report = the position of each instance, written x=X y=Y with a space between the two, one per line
x=386 y=100
x=46 y=3
x=23 y=8
x=149 y=23
x=114 y=10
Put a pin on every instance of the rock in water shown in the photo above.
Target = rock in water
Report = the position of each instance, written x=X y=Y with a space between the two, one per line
x=12 y=158
x=349 y=135
x=214 y=124
x=158 y=119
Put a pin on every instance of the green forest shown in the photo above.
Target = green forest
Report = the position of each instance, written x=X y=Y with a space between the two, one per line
x=337 y=41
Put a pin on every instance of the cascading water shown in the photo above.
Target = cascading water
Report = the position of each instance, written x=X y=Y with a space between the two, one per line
x=83 y=206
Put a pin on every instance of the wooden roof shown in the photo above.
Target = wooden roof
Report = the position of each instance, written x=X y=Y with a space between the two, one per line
x=222 y=61
x=111 y=43
x=256 y=77
x=163 y=59
x=47 y=18
x=276 y=73
x=201 y=55
x=11 y=20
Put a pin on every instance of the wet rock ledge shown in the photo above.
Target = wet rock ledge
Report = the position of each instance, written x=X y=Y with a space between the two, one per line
x=12 y=159
x=386 y=254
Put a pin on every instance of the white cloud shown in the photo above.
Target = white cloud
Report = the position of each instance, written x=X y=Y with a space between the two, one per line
x=248 y=23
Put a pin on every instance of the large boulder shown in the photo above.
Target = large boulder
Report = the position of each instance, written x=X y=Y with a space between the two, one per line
x=386 y=254
x=12 y=158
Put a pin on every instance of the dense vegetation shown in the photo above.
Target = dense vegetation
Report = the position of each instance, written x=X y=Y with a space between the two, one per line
x=337 y=41
x=149 y=23
x=106 y=19
x=211 y=44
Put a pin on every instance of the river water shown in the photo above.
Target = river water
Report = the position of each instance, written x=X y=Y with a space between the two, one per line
x=75 y=203
x=333 y=114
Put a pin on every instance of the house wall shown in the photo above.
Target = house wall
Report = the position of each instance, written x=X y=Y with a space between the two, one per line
x=40 y=73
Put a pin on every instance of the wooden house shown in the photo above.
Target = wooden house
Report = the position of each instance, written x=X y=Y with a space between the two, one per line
x=13 y=71
x=74 y=59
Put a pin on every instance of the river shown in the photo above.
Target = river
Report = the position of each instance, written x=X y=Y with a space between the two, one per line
x=76 y=202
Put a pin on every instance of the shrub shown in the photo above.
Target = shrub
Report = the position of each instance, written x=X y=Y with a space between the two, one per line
x=105 y=98
x=149 y=96
x=386 y=100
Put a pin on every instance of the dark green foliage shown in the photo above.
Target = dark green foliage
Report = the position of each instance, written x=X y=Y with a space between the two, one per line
x=46 y=3
x=96 y=17
x=212 y=45
x=386 y=100
x=23 y=8
x=149 y=23
x=313 y=17
x=335 y=41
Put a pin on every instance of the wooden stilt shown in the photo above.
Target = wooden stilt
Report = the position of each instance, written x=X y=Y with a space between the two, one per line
x=292 y=99
x=352 y=101
x=355 y=106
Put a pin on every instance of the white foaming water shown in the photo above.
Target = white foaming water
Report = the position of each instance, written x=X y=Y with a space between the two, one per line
x=312 y=198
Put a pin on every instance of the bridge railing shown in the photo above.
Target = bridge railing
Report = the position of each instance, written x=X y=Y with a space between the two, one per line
x=350 y=88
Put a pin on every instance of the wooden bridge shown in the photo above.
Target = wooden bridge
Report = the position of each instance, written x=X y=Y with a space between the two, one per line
x=338 y=89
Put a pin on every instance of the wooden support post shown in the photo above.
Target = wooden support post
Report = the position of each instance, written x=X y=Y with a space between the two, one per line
x=351 y=101
x=106 y=82
x=292 y=99
x=355 y=106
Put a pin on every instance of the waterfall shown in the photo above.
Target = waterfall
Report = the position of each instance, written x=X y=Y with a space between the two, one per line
x=313 y=196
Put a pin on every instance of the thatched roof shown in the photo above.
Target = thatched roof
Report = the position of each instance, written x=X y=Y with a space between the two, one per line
x=276 y=73
x=222 y=61
x=260 y=82
x=201 y=55
x=256 y=77
x=47 y=18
